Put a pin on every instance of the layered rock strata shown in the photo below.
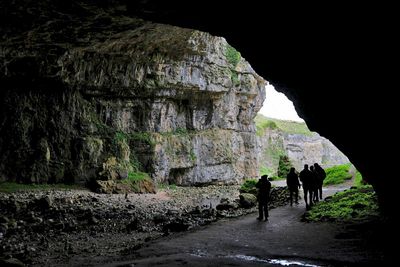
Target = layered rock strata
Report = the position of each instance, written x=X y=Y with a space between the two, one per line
x=137 y=97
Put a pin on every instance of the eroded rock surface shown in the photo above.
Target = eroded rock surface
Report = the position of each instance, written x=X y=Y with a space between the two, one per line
x=82 y=88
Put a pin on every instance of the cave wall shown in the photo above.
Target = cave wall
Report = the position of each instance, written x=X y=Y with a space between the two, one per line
x=173 y=102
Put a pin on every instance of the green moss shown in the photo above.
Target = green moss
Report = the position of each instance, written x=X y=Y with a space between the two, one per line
x=137 y=176
x=357 y=203
x=337 y=174
x=137 y=180
x=358 y=180
x=235 y=78
x=120 y=136
x=11 y=187
x=181 y=131
x=144 y=137
x=232 y=55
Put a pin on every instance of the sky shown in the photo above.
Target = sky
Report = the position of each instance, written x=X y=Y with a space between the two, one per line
x=277 y=105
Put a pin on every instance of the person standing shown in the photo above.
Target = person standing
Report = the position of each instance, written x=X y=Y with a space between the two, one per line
x=314 y=184
x=264 y=188
x=292 y=181
x=306 y=179
x=321 y=177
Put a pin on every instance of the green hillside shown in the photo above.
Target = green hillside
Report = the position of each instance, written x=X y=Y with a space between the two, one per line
x=290 y=127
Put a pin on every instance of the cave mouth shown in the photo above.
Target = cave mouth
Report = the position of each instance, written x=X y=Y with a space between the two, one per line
x=39 y=212
x=285 y=139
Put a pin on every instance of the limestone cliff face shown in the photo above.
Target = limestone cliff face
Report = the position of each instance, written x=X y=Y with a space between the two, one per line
x=175 y=103
x=304 y=149
x=300 y=148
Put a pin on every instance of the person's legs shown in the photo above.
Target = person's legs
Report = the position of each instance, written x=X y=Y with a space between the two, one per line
x=311 y=194
x=291 y=197
x=305 y=190
x=266 y=211
x=320 y=191
x=296 y=196
x=260 y=211
x=316 y=198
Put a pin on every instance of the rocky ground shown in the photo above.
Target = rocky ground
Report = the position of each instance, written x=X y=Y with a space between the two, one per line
x=51 y=227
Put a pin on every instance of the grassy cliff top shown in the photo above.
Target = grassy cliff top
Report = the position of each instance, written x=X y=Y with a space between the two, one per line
x=290 y=127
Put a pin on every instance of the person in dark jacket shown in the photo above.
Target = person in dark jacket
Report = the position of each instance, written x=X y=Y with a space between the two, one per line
x=264 y=188
x=314 y=184
x=306 y=179
x=321 y=177
x=292 y=181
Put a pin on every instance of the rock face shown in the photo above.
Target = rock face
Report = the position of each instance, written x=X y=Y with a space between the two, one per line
x=175 y=103
x=304 y=149
x=300 y=148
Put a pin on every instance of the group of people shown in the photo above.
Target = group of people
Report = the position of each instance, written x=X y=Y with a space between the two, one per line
x=311 y=179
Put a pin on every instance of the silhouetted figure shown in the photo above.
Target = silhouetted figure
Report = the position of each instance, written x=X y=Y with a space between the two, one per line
x=292 y=181
x=314 y=184
x=306 y=179
x=321 y=174
x=264 y=188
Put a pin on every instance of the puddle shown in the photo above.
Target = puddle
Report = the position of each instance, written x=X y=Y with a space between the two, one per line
x=273 y=261
x=201 y=254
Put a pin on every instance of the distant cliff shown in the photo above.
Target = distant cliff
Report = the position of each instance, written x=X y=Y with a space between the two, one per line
x=95 y=95
x=293 y=139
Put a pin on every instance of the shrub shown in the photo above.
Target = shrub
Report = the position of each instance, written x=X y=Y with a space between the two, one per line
x=284 y=166
x=249 y=186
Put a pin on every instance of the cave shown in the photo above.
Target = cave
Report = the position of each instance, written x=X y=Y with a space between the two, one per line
x=333 y=61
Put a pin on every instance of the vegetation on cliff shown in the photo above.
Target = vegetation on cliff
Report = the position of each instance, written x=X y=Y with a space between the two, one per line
x=290 y=127
x=233 y=57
